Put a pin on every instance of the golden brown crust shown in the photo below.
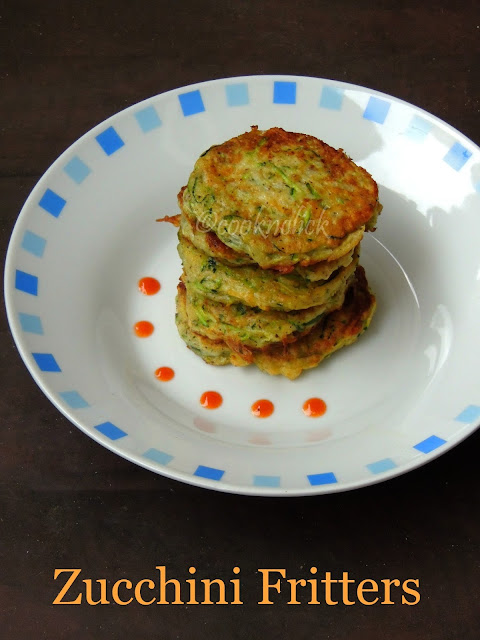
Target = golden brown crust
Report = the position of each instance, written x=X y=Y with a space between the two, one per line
x=336 y=330
x=175 y=220
x=244 y=328
x=210 y=243
x=212 y=246
x=256 y=191
x=270 y=227
x=262 y=288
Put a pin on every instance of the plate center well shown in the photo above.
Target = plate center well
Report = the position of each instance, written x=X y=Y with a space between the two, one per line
x=369 y=384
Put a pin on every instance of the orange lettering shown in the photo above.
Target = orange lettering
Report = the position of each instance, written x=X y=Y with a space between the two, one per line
x=412 y=592
x=361 y=589
x=138 y=591
x=115 y=588
x=388 y=584
x=70 y=581
x=266 y=586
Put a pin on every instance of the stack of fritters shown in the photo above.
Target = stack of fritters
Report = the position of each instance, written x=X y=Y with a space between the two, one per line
x=270 y=227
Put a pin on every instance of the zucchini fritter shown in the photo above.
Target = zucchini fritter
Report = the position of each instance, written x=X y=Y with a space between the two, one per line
x=334 y=331
x=255 y=287
x=281 y=198
x=212 y=246
x=270 y=228
x=241 y=326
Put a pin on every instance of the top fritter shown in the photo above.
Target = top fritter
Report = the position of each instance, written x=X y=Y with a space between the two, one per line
x=281 y=198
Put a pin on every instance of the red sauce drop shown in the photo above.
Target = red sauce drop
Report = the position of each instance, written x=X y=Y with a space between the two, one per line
x=262 y=408
x=314 y=407
x=211 y=400
x=164 y=374
x=143 y=329
x=149 y=286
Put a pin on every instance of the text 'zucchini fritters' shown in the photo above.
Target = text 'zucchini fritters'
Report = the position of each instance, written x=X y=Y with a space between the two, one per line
x=270 y=229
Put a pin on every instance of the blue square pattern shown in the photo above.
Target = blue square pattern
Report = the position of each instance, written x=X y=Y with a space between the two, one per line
x=209 y=472
x=457 y=156
x=284 y=92
x=322 y=478
x=158 y=456
x=469 y=414
x=148 y=119
x=46 y=362
x=266 y=481
x=52 y=203
x=30 y=323
x=237 y=94
x=74 y=399
x=33 y=244
x=381 y=465
x=26 y=282
x=77 y=170
x=418 y=129
x=477 y=186
x=331 y=98
x=110 y=141
x=191 y=102
x=376 y=110
x=431 y=443
x=110 y=430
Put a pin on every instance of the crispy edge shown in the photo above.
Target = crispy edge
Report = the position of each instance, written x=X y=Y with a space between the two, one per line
x=219 y=163
x=337 y=330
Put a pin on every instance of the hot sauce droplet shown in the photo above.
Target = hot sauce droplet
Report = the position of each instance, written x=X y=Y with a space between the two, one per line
x=262 y=408
x=149 y=286
x=164 y=374
x=314 y=407
x=143 y=329
x=211 y=400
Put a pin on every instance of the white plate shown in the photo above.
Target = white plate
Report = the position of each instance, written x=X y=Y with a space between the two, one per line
x=406 y=392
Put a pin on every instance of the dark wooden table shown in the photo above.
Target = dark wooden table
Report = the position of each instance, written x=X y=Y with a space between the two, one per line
x=65 y=502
